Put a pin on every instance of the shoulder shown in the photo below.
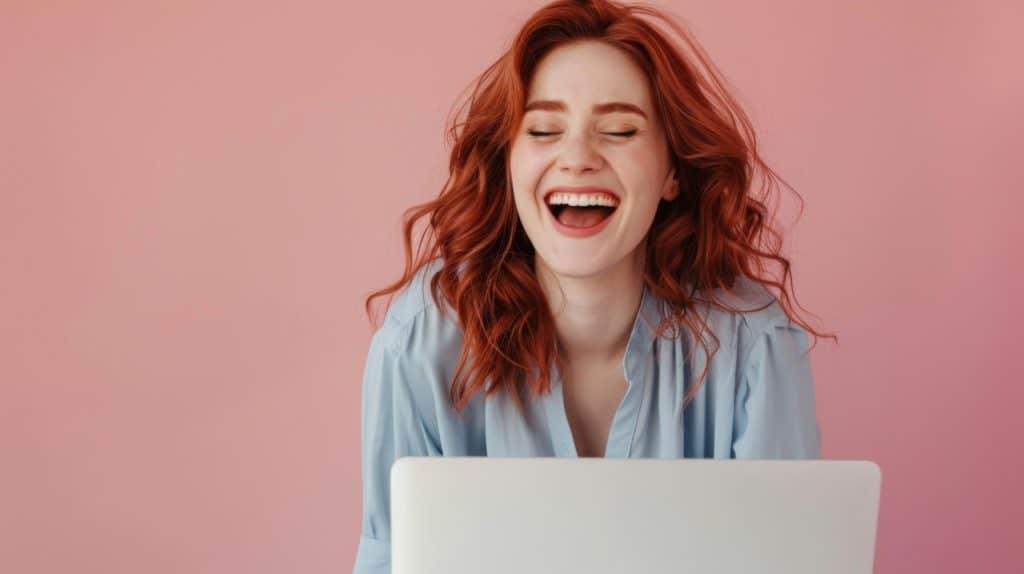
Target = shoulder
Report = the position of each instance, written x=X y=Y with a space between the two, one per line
x=758 y=317
x=411 y=363
x=762 y=310
x=417 y=342
x=414 y=319
x=414 y=298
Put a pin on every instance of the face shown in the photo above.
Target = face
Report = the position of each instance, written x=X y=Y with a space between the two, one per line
x=570 y=137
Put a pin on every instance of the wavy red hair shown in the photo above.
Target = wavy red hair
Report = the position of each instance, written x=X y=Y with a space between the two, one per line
x=715 y=230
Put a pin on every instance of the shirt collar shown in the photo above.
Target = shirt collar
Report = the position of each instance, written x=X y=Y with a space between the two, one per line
x=645 y=325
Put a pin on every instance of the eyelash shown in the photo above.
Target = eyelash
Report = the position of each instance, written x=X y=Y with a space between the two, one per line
x=617 y=134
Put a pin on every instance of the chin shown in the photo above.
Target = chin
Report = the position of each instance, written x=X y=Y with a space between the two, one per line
x=577 y=267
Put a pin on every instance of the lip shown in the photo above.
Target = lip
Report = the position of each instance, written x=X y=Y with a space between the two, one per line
x=579 y=232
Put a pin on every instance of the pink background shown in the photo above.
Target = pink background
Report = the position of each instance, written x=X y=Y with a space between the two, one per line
x=197 y=196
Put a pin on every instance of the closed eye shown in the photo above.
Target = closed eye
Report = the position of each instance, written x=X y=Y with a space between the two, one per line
x=617 y=134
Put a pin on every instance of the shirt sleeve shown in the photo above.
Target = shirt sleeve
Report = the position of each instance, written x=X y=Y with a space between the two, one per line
x=776 y=416
x=391 y=427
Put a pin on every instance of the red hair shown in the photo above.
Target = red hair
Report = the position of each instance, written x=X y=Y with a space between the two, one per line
x=714 y=231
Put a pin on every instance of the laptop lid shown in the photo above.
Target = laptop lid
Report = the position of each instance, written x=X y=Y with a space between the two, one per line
x=462 y=515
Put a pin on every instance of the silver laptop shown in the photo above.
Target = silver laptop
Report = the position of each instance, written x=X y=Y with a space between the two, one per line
x=463 y=515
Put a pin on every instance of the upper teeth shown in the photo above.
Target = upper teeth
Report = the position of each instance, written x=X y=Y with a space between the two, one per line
x=581 y=199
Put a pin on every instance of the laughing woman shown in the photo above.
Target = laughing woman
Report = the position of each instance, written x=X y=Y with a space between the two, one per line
x=596 y=280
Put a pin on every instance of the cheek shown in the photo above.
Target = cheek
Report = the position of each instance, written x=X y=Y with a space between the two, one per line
x=639 y=170
x=525 y=168
x=520 y=179
x=527 y=159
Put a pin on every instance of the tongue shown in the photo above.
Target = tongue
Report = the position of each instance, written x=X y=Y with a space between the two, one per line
x=582 y=216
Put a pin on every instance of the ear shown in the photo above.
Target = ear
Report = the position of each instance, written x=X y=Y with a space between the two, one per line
x=671 y=187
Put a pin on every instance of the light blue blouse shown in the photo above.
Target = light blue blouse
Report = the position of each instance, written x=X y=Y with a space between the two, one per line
x=756 y=402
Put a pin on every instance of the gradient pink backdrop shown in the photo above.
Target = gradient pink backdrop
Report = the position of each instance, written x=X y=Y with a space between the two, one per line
x=197 y=196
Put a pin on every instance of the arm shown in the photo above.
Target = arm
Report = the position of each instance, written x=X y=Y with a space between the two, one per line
x=775 y=415
x=391 y=428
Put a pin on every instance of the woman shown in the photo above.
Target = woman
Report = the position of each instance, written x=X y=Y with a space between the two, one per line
x=593 y=284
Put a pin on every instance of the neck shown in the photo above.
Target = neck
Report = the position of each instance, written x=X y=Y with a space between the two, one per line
x=594 y=315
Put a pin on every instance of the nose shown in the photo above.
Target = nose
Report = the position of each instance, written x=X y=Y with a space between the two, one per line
x=578 y=155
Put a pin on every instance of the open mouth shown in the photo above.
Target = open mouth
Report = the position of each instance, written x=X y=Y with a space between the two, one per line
x=581 y=216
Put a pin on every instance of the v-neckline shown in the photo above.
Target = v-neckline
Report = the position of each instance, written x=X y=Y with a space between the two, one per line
x=623 y=427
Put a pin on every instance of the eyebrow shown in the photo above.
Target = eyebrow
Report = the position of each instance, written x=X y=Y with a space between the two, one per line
x=605 y=108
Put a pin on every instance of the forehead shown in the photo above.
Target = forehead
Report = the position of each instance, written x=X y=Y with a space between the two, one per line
x=584 y=73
